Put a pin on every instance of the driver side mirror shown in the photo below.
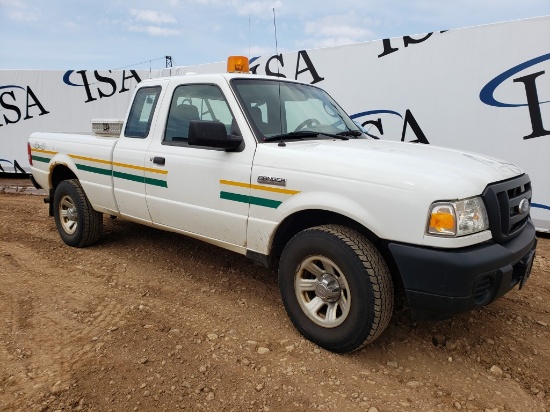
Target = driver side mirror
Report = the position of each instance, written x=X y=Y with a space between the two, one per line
x=212 y=134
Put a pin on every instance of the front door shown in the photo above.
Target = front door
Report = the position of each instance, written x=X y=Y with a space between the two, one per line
x=207 y=190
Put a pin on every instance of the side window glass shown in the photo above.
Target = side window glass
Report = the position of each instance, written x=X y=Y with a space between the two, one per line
x=141 y=113
x=195 y=102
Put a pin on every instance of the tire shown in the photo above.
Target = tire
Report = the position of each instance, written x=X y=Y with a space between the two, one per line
x=78 y=224
x=336 y=287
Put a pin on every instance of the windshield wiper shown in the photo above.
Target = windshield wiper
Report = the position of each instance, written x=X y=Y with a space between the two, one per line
x=291 y=135
x=354 y=133
x=302 y=134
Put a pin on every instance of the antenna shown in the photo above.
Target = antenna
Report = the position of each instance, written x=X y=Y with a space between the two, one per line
x=276 y=46
x=281 y=143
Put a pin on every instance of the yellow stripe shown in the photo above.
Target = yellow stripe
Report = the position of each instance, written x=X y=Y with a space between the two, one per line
x=275 y=189
x=230 y=183
x=147 y=169
x=90 y=159
x=258 y=187
x=129 y=166
x=43 y=151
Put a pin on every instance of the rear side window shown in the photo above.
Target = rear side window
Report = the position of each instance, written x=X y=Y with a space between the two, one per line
x=141 y=113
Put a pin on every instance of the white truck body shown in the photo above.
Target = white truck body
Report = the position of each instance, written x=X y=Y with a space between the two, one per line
x=278 y=186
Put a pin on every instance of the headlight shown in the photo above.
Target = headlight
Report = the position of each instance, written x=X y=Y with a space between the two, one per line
x=459 y=218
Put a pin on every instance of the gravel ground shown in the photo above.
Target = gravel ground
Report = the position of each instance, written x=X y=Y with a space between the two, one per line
x=152 y=321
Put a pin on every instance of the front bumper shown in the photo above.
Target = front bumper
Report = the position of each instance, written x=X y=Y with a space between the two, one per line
x=440 y=283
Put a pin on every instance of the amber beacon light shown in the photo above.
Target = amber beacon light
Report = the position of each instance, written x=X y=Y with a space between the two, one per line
x=237 y=64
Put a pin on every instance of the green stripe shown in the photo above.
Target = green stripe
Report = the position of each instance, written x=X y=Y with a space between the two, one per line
x=259 y=201
x=92 y=169
x=128 y=176
x=125 y=176
x=140 y=179
x=156 y=182
x=41 y=159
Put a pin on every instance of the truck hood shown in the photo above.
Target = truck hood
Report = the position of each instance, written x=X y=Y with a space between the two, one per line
x=406 y=166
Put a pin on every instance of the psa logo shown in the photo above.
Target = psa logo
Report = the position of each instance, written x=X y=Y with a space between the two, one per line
x=487 y=94
x=16 y=166
x=16 y=101
x=270 y=68
x=104 y=84
x=409 y=120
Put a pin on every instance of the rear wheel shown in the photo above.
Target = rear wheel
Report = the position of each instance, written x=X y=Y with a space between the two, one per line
x=336 y=287
x=77 y=222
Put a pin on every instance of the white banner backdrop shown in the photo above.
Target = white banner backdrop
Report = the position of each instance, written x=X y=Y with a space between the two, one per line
x=483 y=89
x=57 y=101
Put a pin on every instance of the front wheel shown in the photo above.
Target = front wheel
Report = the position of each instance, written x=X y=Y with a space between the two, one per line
x=336 y=287
x=77 y=222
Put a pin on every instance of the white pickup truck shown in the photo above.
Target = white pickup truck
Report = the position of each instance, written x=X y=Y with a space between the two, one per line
x=276 y=170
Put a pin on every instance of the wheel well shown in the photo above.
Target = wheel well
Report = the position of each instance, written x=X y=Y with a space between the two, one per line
x=60 y=173
x=310 y=218
x=57 y=175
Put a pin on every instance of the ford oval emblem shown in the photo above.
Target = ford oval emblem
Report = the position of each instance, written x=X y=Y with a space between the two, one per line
x=523 y=207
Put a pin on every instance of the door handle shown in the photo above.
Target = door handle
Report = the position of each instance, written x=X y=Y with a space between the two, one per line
x=159 y=160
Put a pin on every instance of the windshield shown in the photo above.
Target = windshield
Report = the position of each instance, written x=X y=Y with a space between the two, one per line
x=283 y=109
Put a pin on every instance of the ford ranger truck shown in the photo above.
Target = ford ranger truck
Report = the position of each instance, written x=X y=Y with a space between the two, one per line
x=275 y=170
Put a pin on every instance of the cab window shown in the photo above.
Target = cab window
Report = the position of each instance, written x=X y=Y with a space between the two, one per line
x=195 y=102
x=141 y=113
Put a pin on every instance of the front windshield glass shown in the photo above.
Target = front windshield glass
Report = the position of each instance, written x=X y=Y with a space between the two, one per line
x=277 y=108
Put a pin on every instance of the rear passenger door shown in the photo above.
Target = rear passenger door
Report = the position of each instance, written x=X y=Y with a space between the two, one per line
x=129 y=168
x=207 y=191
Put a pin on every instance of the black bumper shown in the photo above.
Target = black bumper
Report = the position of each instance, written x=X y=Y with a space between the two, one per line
x=440 y=283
